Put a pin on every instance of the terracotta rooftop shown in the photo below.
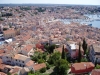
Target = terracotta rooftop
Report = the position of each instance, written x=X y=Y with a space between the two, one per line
x=39 y=46
x=2 y=66
x=28 y=48
x=2 y=51
x=95 y=72
x=20 y=57
x=30 y=63
x=25 y=38
x=15 y=70
x=9 y=31
x=39 y=66
x=1 y=61
x=82 y=65
x=1 y=73
x=8 y=48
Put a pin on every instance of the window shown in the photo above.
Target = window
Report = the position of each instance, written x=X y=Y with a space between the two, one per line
x=23 y=65
x=22 y=61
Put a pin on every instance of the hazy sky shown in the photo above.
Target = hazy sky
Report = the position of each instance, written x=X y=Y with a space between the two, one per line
x=86 y=2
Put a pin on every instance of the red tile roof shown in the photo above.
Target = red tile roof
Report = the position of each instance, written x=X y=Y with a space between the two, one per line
x=2 y=66
x=39 y=46
x=25 y=38
x=10 y=31
x=1 y=73
x=1 y=61
x=30 y=63
x=39 y=66
x=2 y=51
x=82 y=67
x=8 y=48
x=95 y=72
x=28 y=48
x=14 y=71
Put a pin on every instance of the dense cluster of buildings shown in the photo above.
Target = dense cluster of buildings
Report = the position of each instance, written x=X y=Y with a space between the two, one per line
x=26 y=30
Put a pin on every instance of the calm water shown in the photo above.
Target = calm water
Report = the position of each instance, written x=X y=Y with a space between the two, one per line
x=94 y=23
x=92 y=20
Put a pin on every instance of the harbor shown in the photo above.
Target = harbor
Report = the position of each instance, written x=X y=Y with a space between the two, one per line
x=92 y=20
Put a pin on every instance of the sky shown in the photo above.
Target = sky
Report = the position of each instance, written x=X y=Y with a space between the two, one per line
x=83 y=2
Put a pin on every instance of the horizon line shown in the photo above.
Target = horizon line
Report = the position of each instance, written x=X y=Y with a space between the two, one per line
x=51 y=4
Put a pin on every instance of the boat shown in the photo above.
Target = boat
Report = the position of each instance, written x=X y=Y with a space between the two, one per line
x=89 y=24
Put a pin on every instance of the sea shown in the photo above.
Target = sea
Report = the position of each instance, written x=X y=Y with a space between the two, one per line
x=94 y=20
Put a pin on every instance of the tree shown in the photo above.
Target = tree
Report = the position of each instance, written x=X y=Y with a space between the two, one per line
x=54 y=57
x=84 y=46
x=8 y=73
x=84 y=60
x=34 y=73
x=15 y=74
x=63 y=56
x=47 y=66
x=39 y=57
x=34 y=58
x=79 y=53
x=40 y=61
x=43 y=70
x=50 y=48
x=96 y=61
x=97 y=66
x=61 y=67
x=44 y=56
x=46 y=47
x=4 y=29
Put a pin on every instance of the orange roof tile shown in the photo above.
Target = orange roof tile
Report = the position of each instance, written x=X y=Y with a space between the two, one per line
x=2 y=51
x=95 y=72
x=1 y=73
x=25 y=38
x=39 y=66
x=10 y=31
x=2 y=66
x=21 y=57
x=28 y=48
x=30 y=63
x=9 y=48
x=82 y=65
x=15 y=70
x=1 y=61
